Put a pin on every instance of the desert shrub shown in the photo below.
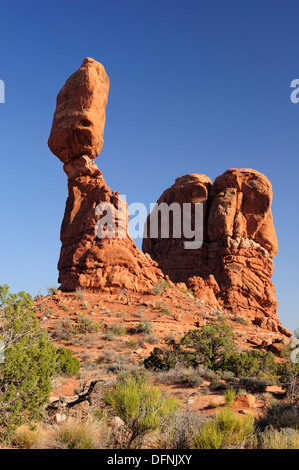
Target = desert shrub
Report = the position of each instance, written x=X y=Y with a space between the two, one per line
x=286 y=438
x=171 y=376
x=109 y=336
x=218 y=384
x=66 y=363
x=230 y=395
x=64 y=308
x=288 y=374
x=249 y=363
x=167 y=359
x=207 y=346
x=151 y=339
x=177 y=429
x=212 y=343
x=192 y=379
x=179 y=375
x=118 y=329
x=169 y=338
x=80 y=293
x=224 y=430
x=85 y=325
x=107 y=357
x=64 y=329
x=132 y=344
x=140 y=406
x=164 y=309
x=52 y=289
x=206 y=373
x=210 y=437
x=30 y=360
x=280 y=415
x=253 y=385
x=145 y=327
x=228 y=375
x=159 y=287
x=239 y=319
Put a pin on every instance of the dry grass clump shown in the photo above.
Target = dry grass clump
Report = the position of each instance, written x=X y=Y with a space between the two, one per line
x=286 y=438
x=80 y=434
x=27 y=437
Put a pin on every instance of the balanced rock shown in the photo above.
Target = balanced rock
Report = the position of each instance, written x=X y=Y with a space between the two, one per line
x=79 y=119
x=97 y=251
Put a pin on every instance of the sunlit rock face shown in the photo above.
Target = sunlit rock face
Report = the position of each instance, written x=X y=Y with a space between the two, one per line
x=86 y=259
x=239 y=242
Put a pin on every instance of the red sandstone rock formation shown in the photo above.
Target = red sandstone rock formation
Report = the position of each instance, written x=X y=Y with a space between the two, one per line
x=234 y=264
x=76 y=138
x=233 y=267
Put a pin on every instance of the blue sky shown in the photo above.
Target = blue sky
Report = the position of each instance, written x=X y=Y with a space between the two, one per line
x=196 y=87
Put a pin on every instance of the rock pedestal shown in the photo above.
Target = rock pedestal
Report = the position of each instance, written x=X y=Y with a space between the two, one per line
x=96 y=253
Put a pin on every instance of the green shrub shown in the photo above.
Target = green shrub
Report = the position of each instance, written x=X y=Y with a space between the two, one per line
x=280 y=415
x=118 y=329
x=30 y=361
x=212 y=343
x=86 y=325
x=230 y=395
x=52 y=289
x=288 y=374
x=249 y=363
x=164 y=309
x=167 y=359
x=66 y=363
x=224 y=430
x=210 y=437
x=140 y=406
x=253 y=385
x=218 y=385
x=145 y=327
x=192 y=380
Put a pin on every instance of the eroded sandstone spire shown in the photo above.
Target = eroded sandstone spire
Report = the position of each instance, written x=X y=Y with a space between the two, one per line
x=235 y=261
x=76 y=138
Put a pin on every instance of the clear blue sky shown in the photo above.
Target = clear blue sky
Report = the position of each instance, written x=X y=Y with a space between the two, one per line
x=197 y=86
